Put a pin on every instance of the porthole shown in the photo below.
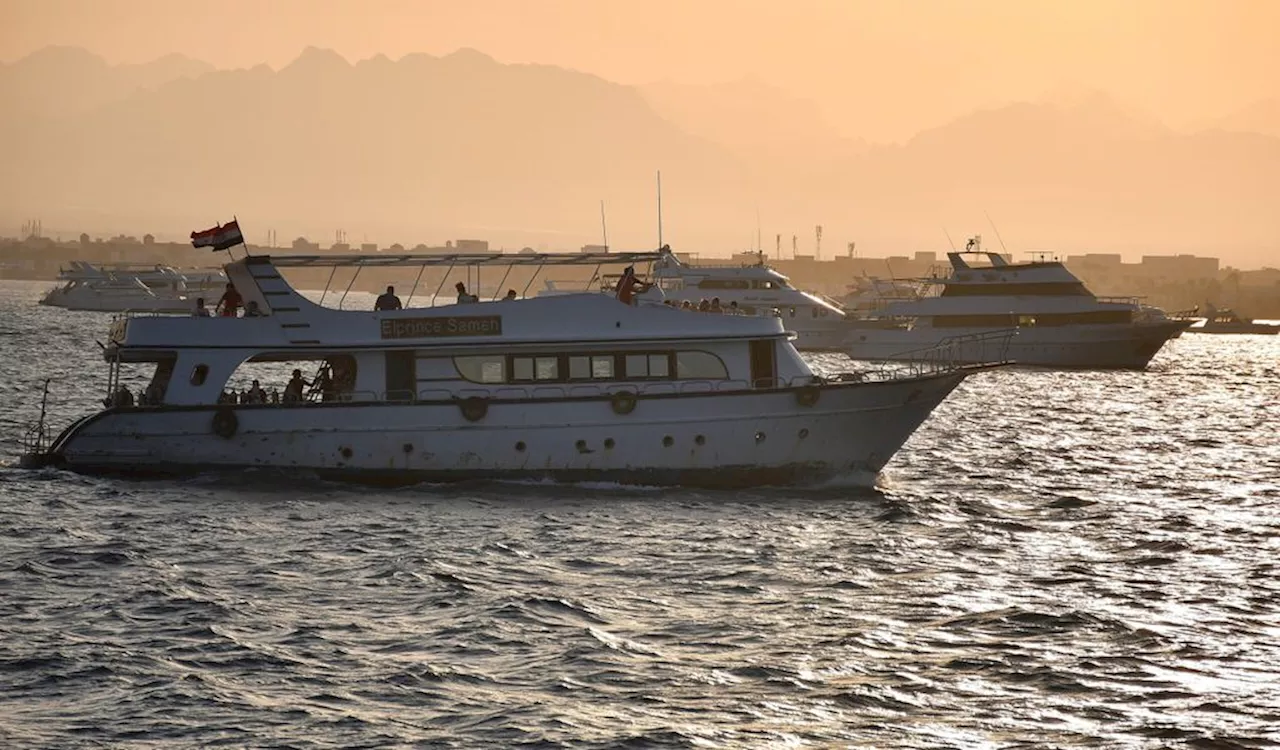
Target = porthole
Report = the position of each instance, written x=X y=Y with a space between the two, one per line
x=700 y=440
x=668 y=441
x=581 y=445
x=759 y=437
x=520 y=446
x=608 y=442
x=804 y=432
x=407 y=447
x=345 y=451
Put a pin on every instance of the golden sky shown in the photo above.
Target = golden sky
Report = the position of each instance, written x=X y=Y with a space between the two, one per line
x=881 y=70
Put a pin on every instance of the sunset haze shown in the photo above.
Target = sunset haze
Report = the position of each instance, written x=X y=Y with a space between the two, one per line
x=1137 y=127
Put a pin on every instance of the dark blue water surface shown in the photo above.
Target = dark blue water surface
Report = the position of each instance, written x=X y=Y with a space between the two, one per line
x=1076 y=559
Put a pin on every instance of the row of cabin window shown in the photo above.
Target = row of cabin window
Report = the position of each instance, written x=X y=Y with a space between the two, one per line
x=559 y=368
x=1092 y=317
x=740 y=284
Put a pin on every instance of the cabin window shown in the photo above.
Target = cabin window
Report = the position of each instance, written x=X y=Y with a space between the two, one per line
x=525 y=369
x=724 y=284
x=648 y=366
x=602 y=367
x=482 y=368
x=579 y=368
x=198 y=374
x=546 y=368
x=766 y=284
x=1026 y=321
x=700 y=366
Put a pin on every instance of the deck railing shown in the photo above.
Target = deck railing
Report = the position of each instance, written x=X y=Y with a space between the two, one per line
x=952 y=352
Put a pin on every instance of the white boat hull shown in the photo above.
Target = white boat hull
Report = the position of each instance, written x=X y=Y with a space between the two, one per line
x=736 y=439
x=117 y=303
x=1076 y=346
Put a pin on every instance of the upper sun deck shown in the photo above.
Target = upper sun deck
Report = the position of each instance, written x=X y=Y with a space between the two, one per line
x=1000 y=271
x=288 y=321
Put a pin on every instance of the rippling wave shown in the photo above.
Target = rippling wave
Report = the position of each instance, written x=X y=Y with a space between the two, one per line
x=1056 y=559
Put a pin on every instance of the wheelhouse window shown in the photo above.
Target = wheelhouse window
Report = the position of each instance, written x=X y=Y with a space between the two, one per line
x=482 y=368
x=199 y=374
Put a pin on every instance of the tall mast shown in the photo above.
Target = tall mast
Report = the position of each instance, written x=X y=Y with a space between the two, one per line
x=659 y=209
x=604 y=228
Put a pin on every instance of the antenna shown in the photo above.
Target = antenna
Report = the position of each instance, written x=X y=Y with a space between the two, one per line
x=817 y=247
x=604 y=228
x=949 y=240
x=777 y=247
x=659 y=209
x=793 y=247
x=997 y=231
x=759 y=249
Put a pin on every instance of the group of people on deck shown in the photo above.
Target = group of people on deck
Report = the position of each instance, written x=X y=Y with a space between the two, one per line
x=712 y=306
x=389 y=301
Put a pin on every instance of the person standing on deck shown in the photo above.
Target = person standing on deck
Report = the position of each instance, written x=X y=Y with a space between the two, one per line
x=388 y=300
x=629 y=286
x=229 y=303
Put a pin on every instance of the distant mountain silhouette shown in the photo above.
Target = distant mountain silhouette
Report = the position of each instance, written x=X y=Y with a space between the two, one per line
x=1260 y=117
x=420 y=144
x=428 y=148
x=58 y=81
x=752 y=118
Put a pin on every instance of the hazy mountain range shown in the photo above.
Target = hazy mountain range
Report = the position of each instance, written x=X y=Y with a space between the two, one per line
x=429 y=148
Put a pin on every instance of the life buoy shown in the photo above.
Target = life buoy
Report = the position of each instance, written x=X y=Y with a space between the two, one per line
x=623 y=402
x=474 y=408
x=225 y=422
x=808 y=395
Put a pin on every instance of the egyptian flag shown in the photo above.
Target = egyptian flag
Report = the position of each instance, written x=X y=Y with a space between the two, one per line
x=220 y=237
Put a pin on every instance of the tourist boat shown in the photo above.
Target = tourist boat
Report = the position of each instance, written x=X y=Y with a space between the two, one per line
x=752 y=289
x=1225 y=320
x=567 y=387
x=155 y=289
x=1058 y=322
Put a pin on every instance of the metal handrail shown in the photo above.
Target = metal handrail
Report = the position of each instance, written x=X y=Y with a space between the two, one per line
x=36 y=439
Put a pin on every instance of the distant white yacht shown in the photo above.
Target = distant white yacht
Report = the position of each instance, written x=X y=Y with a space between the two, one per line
x=130 y=288
x=1052 y=319
x=756 y=288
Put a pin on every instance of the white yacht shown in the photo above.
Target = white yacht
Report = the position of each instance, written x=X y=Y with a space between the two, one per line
x=754 y=289
x=156 y=289
x=1051 y=319
x=567 y=387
